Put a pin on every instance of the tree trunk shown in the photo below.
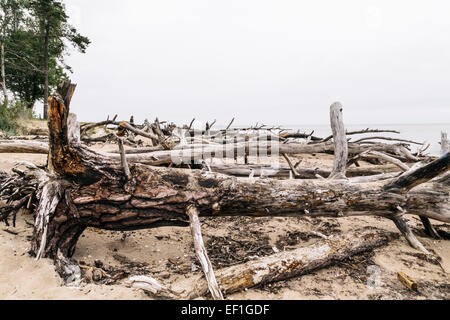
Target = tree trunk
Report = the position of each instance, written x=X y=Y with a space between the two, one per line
x=340 y=142
x=46 y=71
x=5 y=91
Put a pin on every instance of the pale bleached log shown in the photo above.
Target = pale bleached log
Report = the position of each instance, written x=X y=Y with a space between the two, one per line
x=139 y=132
x=202 y=254
x=152 y=287
x=374 y=178
x=289 y=264
x=30 y=138
x=23 y=147
x=340 y=142
x=141 y=150
x=242 y=170
x=445 y=147
x=52 y=193
x=202 y=152
x=387 y=158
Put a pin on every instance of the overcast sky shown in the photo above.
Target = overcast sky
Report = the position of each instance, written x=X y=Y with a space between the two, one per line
x=277 y=61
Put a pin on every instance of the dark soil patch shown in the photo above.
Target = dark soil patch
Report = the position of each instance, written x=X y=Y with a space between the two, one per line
x=226 y=251
x=356 y=266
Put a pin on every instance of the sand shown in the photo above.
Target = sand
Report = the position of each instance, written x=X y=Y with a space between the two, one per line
x=168 y=256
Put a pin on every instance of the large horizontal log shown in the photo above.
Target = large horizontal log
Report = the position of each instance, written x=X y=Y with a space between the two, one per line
x=15 y=146
x=190 y=153
x=289 y=264
x=197 y=153
x=242 y=170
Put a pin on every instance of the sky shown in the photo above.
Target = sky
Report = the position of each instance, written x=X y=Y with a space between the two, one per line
x=273 y=62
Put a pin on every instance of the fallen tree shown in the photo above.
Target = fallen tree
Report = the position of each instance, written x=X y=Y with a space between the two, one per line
x=82 y=188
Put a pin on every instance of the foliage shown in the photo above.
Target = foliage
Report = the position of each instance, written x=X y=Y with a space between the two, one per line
x=37 y=38
x=10 y=116
x=24 y=66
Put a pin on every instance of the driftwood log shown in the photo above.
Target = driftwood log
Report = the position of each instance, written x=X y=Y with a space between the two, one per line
x=82 y=188
x=276 y=267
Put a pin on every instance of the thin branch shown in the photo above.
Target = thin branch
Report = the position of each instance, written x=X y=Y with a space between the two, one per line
x=123 y=158
x=202 y=254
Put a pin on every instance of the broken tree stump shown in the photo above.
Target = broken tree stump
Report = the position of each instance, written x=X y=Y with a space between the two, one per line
x=445 y=145
x=340 y=142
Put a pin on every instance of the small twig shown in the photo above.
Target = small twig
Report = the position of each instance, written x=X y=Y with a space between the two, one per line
x=11 y=232
x=348 y=133
x=387 y=138
x=228 y=127
x=190 y=125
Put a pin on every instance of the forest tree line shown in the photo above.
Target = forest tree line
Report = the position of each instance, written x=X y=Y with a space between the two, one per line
x=35 y=39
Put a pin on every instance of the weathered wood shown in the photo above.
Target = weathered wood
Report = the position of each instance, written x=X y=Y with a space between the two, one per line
x=289 y=264
x=74 y=129
x=241 y=170
x=89 y=126
x=413 y=178
x=202 y=254
x=153 y=287
x=368 y=130
x=445 y=145
x=136 y=131
x=15 y=146
x=388 y=139
x=340 y=142
x=387 y=158
x=123 y=159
